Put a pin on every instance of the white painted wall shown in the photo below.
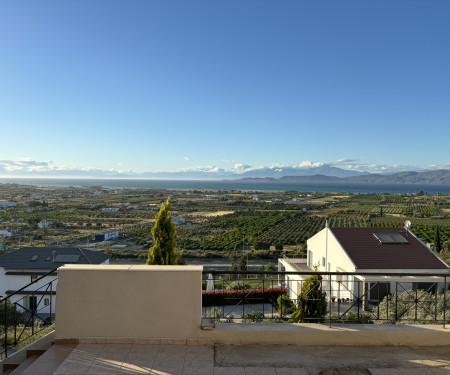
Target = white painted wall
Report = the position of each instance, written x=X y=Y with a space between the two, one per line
x=336 y=256
x=16 y=282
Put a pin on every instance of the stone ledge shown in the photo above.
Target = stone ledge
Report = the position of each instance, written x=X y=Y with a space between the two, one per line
x=323 y=335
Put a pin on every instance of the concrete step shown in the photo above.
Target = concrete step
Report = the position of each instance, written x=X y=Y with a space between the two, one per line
x=24 y=365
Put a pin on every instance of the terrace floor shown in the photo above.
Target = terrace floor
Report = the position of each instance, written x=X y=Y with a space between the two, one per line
x=164 y=359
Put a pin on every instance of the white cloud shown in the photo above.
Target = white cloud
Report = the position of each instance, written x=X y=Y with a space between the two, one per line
x=29 y=167
x=207 y=168
x=187 y=158
x=310 y=164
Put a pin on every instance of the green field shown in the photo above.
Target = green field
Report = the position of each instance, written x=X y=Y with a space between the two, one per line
x=217 y=222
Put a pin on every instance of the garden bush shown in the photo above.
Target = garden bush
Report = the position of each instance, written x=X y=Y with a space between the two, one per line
x=251 y=296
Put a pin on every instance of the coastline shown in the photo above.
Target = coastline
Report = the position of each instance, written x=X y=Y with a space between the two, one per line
x=236 y=185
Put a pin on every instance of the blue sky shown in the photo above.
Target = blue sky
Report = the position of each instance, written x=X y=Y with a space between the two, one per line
x=152 y=85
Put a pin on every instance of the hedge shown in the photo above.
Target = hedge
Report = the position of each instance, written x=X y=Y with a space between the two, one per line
x=251 y=296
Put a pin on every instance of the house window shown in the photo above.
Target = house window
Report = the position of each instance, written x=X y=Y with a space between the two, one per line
x=323 y=262
x=34 y=278
x=378 y=290
x=46 y=302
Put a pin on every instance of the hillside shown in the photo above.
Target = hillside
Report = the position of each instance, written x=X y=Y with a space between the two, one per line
x=439 y=177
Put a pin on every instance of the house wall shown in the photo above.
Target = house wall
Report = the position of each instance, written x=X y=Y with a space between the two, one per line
x=336 y=260
x=16 y=282
x=293 y=283
x=128 y=301
x=335 y=255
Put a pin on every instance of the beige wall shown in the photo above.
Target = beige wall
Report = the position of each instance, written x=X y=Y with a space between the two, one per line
x=322 y=335
x=107 y=303
x=128 y=301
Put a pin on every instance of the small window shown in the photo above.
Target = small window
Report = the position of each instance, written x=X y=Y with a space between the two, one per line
x=46 y=302
x=323 y=262
x=34 y=278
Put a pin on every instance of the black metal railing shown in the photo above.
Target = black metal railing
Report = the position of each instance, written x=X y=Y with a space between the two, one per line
x=326 y=297
x=26 y=314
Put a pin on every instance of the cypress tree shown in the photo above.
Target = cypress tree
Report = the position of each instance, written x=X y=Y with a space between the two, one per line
x=243 y=262
x=233 y=261
x=437 y=240
x=163 y=250
x=312 y=305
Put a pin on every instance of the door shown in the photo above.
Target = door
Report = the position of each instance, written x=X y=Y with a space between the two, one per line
x=32 y=303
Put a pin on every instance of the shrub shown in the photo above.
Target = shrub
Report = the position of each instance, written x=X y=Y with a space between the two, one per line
x=284 y=305
x=253 y=317
x=236 y=285
x=232 y=297
x=428 y=309
x=312 y=305
x=214 y=313
x=351 y=317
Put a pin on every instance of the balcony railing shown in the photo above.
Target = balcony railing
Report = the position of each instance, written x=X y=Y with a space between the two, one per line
x=326 y=297
x=27 y=314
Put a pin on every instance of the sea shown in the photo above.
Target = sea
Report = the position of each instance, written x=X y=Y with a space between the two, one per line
x=213 y=185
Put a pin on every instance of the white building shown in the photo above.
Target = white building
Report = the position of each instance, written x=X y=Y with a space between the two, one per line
x=110 y=209
x=45 y=224
x=21 y=267
x=178 y=220
x=367 y=250
x=5 y=233
x=106 y=236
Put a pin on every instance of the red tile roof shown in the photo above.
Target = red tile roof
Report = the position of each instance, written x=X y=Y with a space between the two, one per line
x=367 y=252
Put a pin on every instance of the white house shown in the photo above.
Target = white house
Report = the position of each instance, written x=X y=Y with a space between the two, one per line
x=45 y=224
x=367 y=250
x=106 y=236
x=21 y=267
x=5 y=233
x=110 y=209
x=177 y=220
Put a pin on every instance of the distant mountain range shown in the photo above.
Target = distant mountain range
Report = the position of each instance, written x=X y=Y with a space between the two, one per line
x=438 y=177
x=324 y=173
x=272 y=172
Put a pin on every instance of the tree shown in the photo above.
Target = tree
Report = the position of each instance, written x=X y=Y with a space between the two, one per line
x=261 y=245
x=279 y=246
x=243 y=262
x=312 y=305
x=437 y=240
x=163 y=250
x=381 y=211
x=233 y=261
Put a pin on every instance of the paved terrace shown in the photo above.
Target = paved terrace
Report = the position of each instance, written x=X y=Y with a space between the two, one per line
x=173 y=359
x=147 y=320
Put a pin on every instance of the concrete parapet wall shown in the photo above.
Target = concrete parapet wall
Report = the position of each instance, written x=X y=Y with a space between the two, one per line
x=148 y=304
x=323 y=335
x=128 y=301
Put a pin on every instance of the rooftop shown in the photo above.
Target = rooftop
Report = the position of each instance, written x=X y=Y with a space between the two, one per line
x=368 y=252
x=49 y=258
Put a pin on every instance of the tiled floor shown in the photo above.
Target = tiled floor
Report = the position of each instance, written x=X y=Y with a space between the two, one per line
x=135 y=359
